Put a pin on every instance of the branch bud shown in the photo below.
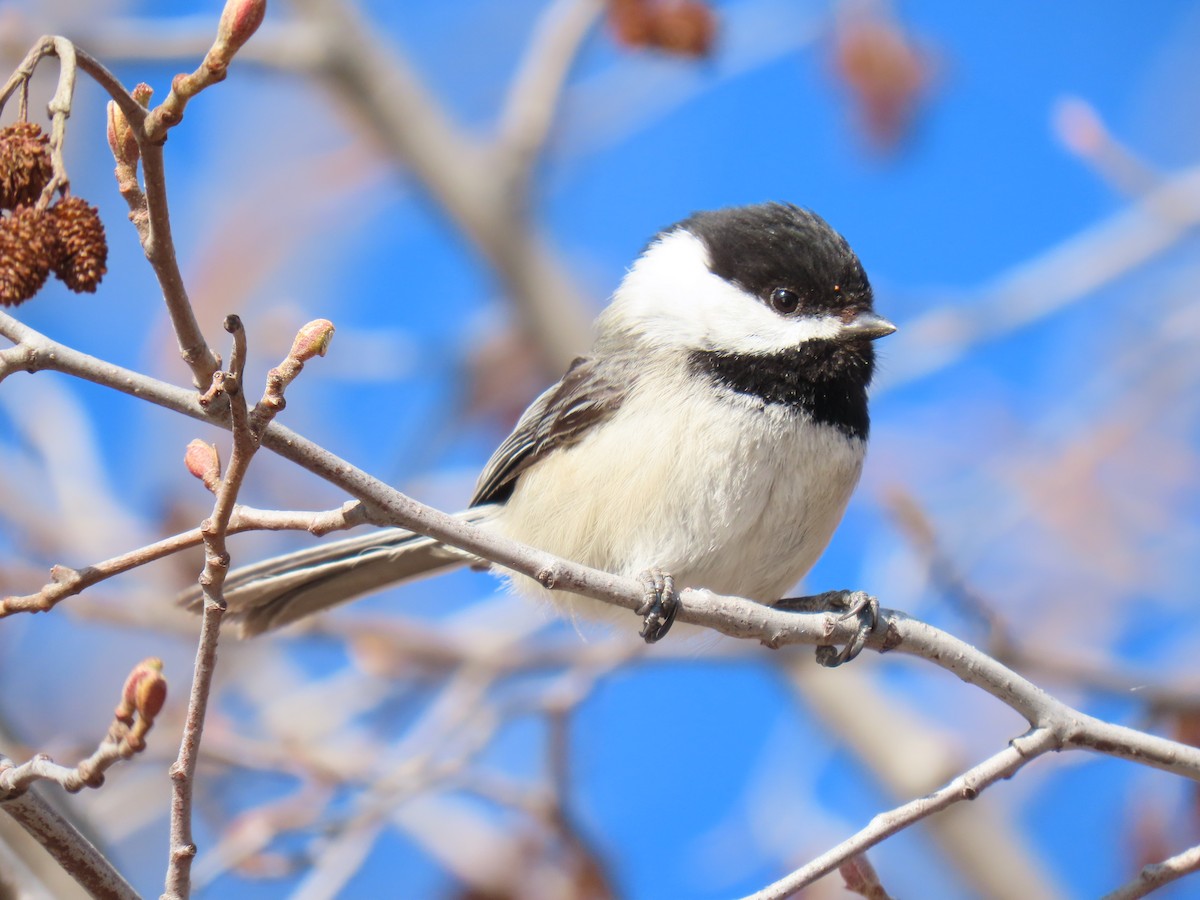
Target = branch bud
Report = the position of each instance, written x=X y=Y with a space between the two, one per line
x=203 y=461
x=144 y=692
x=312 y=340
x=142 y=93
x=239 y=20
x=121 y=141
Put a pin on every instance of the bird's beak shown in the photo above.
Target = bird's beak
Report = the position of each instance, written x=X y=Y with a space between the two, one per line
x=866 y=325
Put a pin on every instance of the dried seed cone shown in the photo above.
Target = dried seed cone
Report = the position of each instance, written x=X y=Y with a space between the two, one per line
x=28 y=244
x=24 y=164
x=82 y=249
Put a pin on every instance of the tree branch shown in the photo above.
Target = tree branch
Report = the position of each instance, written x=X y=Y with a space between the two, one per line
x=247 y=427
x=535 y=93
x=156 y=240
x=67 y=582
x=1157 y=875
x=732 y=616
x=966 y=786
x=78 y=856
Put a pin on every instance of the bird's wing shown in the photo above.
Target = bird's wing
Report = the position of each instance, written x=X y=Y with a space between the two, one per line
x=586 y=396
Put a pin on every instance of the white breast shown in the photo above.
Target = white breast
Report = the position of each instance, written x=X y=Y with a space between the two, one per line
x=720 y=490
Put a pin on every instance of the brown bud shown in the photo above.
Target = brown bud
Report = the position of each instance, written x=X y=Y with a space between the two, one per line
x=151 y=692
x=25 y=167
x=312 y=340
x=28 y=248
x=121 y=141
x=132 y=701
x=149 y=695
x=203 y=461
x=239 y=20
x=83 y=250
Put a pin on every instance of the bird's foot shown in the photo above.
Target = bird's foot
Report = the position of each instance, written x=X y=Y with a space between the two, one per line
x=852 y=605
x=660 y=604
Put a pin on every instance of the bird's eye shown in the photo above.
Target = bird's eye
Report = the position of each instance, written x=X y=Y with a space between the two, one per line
x=784 y=301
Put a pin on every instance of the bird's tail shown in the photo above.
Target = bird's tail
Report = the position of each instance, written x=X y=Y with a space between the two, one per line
x=283 y=589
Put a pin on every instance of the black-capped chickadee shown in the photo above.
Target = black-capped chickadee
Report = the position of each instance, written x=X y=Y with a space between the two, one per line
x=711 y=439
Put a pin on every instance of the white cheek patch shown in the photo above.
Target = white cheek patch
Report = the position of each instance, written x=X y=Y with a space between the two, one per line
x=672 y=299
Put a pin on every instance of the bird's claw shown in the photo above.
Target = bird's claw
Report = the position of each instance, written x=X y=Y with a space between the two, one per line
x=660 y=604
x=852 y=605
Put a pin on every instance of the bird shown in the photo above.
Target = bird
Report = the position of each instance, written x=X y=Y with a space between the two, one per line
x=711 y=438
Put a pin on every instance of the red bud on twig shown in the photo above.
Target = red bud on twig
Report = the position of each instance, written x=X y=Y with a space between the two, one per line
x=203 y=461
x=144 y=692
x=239 y=20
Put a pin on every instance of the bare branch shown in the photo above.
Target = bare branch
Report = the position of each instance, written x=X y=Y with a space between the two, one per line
x=966 y=786
x=735 y=617
x=239 y=20
x=247 y=427
x=60 y=109
x=70 y=848
x=141 y=700
x=1156 y=875
x=67 y=582
x=535 y=93
x=907 y=755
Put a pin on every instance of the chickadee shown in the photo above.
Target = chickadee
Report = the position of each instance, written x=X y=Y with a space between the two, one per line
x=711 y=439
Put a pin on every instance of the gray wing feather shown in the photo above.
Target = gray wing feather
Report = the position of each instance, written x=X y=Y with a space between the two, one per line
x=278 y=591
x=587 y=395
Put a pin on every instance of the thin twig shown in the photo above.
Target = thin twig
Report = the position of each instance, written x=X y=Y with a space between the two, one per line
x=154 y=228
x=966 y=786
x=907 y=755
x=212 y=579
x=60 y=109
x=67 y=582
x=1156 y=875
x=41 y=48
x=156 y=239
x=247 y=428
x=142 y=697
